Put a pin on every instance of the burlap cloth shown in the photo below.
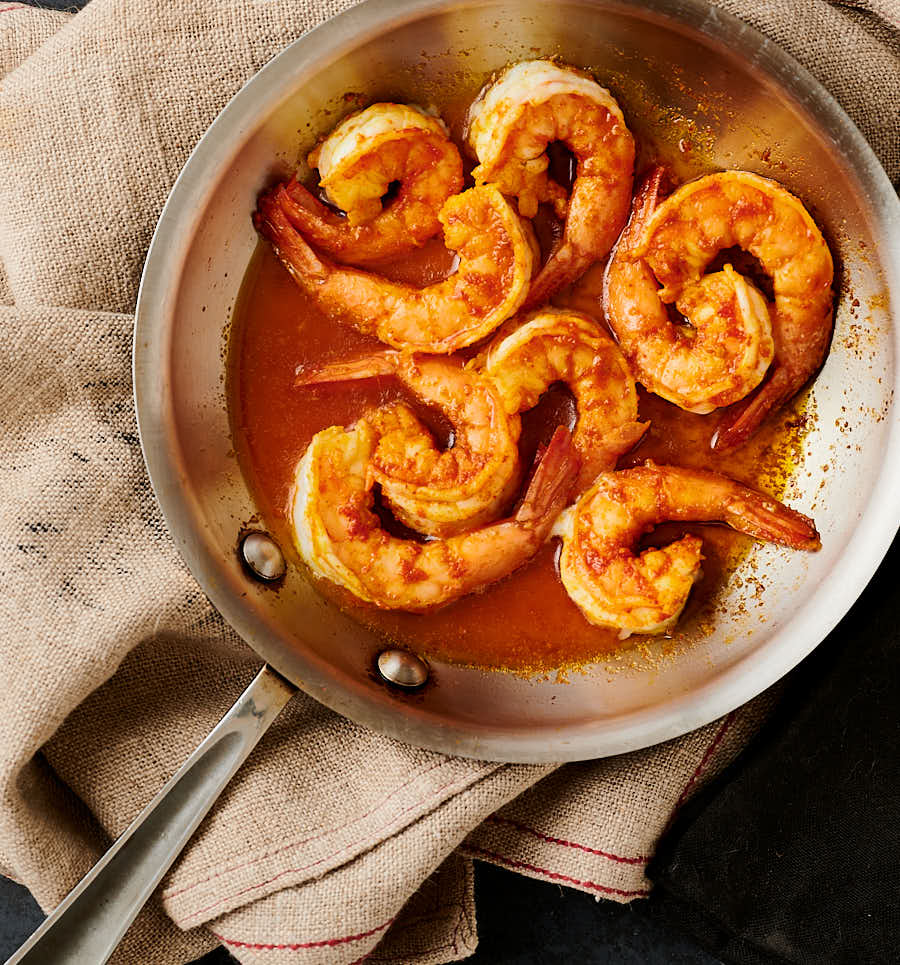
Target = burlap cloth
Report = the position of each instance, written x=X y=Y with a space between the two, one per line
x=332 y=844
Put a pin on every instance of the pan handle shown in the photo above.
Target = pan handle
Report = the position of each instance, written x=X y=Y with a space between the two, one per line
x=91 y=920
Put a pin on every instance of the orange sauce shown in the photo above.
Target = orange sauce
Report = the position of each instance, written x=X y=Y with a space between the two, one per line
x=526 y=622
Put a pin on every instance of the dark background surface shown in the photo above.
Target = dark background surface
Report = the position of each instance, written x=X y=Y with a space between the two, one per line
x=520 y=922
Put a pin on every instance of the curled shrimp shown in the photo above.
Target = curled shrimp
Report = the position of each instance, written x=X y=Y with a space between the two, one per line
x=552 y=345
x=678 y=239
x=646 y=594
x=716 y=359
x=434 y=491
x=496 y=259
x=358 y=162
x=510 y=125
x=341 y=539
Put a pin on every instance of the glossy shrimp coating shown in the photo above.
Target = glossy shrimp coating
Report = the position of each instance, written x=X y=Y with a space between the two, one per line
x=434 y=491
x=716 y=359
x=358 y=162
x=342 y=540
x=496 y=259
x=735 y=208
x=552 y=345
x=510 y=126
x=615 y=588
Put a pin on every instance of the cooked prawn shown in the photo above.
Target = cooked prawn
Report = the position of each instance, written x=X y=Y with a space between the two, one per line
x=496 y=258
x=434 y=491
x=552 y=345
x=358 y=162
x=676 y=242
x=341 y=539
x=645 y=594
x=510 y=125
x=716 y=359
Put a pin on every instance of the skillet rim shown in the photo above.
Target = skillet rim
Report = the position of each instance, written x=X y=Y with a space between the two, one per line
x=822 y=611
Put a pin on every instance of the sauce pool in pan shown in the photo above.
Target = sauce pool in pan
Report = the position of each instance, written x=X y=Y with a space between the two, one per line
x=526 y=622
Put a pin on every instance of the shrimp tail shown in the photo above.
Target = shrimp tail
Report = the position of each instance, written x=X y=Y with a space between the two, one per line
x=304 y=209
x=317 y=222
x=764 y=518
x=603 y=456
x=633 y=432
x=744 y=417
x=295 y=254
x=624 y=438
x=562 y=262
x=356 y=245
x=551 y=484
x=373 y=366
x=646 y=200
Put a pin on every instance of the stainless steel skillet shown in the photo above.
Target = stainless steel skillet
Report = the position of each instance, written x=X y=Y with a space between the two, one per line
x=754 y=108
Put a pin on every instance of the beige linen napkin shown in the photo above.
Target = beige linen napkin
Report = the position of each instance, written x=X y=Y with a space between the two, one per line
x=333 y=844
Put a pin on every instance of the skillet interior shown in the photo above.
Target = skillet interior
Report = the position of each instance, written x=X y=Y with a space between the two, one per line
x=755 y=110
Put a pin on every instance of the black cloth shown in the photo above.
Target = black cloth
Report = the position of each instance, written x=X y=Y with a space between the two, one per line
x=793 y=855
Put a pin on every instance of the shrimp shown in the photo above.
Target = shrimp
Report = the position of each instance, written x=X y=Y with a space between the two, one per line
x=358 y=162
x=341 y=539
x=676 y=242
x=436 y=492
x=510 y=125
x=496 y=257
x=646 y=594
x=552 y=345
x=716 y=359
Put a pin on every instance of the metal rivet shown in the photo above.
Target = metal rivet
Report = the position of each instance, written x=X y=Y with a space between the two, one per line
x=402 y=668
x=263 y=555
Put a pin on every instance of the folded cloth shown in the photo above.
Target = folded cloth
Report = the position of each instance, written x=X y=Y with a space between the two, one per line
x=794 y=854
x=331 y=840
